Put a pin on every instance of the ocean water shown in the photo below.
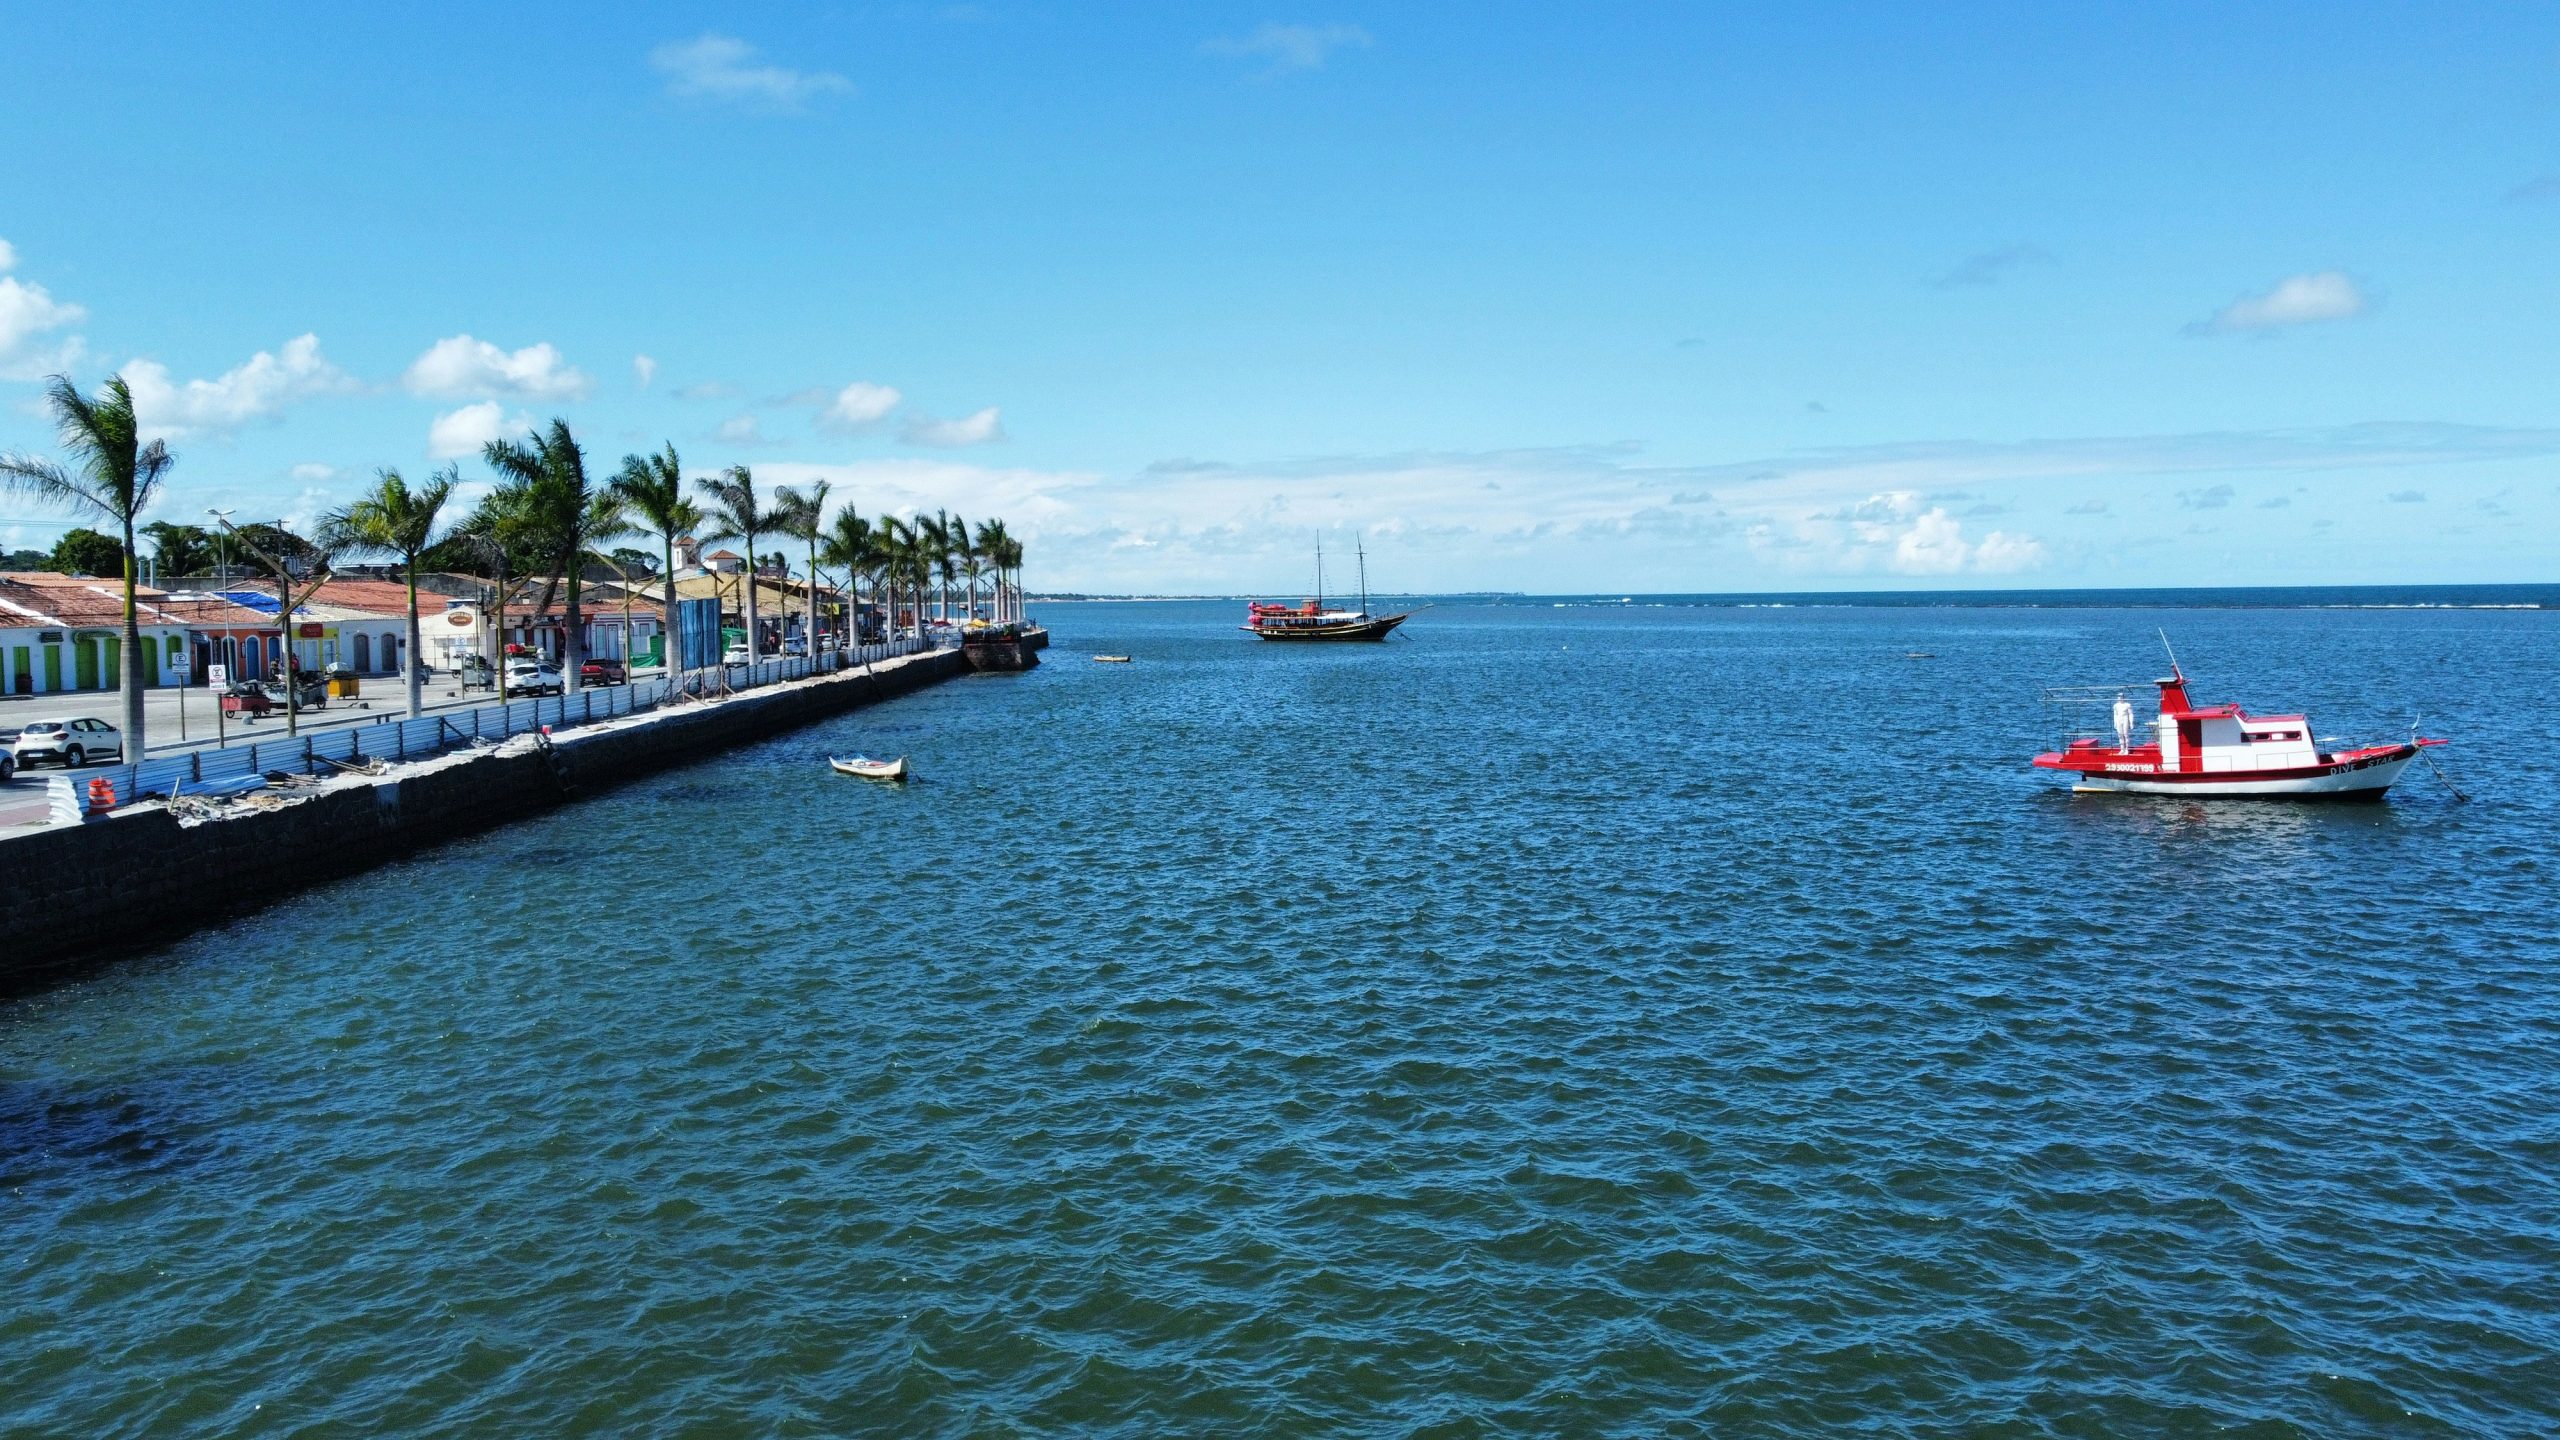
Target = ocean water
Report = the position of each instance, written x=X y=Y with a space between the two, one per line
x=1591 y=1020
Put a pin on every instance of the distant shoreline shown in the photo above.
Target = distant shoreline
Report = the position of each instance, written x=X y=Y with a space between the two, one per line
x=2525 y=596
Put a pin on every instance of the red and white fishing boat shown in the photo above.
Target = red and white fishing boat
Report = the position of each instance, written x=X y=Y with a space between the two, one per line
x=2220 y=751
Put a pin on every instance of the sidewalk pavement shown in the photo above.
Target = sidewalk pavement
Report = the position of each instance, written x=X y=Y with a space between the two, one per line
x=385 y=698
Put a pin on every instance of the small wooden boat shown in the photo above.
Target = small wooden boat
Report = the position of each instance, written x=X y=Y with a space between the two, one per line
x=1110 y=659
x=867 y=768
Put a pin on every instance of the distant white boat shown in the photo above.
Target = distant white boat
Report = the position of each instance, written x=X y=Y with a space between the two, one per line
x=864 y=767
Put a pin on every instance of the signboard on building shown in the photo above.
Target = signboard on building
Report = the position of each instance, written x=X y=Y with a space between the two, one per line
x=309 y=630
x=698 y=640
x=462 y=617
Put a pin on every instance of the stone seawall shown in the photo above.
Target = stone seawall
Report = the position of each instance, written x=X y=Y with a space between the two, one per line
x=73 y=893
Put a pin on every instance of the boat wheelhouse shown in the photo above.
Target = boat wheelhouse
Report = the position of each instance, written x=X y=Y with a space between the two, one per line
x=2217 y=751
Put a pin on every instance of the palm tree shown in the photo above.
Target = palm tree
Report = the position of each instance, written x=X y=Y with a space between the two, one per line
x=903 y=551
x=395 y=520
x=950 y=538
x=735 y=514
x=973 y=568
x=652 y=486
x=567 y=514
x=496 y=528
x=800 y=519
x=991 y=542
x=853 y=546
x=119 y=474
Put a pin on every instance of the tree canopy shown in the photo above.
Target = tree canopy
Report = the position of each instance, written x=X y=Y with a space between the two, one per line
x=181 y=549
x=86 y=552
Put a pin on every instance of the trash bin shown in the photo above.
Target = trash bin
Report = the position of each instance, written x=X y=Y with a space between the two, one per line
x=342 y=683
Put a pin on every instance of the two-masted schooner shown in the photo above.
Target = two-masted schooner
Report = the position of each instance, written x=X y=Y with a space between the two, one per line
x=1310 y=619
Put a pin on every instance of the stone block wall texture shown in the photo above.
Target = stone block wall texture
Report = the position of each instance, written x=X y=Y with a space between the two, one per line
x=73 y=894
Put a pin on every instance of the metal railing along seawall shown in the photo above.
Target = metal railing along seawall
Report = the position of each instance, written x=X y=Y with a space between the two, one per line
x=397 y=739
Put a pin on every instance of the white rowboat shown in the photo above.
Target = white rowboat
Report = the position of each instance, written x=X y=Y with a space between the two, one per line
x=864 y=767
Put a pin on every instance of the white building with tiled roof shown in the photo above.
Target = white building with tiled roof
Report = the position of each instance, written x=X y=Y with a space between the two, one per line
x=61 y=633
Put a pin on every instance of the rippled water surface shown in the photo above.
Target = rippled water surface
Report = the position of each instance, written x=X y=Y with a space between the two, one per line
x=1565 y=1020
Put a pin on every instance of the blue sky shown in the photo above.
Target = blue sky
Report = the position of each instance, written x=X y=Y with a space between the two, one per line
x=1534 y=297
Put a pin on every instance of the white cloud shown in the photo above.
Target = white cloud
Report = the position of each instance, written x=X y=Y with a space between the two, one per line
x=975 y=429
x=723 y=68
x=311 y=472
x=2001 y=553
x=1291 y=47
x=257 y=389
x=742 y=430
x=2295 y=300
x=27 y=312
x=459 y=434
x=858 y=406
x=461 y=366
x=1603 y=517
x=1894 y=531
x=643 y=370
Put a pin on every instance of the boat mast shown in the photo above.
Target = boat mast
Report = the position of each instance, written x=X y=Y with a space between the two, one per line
x=2173 y=655
x=1319 y=574
x=1363 y=548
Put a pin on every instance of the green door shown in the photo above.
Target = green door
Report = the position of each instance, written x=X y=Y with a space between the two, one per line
x=53 y=668
x=22 y=670
x=114 y=649
x=150 y=653
x=84 y=663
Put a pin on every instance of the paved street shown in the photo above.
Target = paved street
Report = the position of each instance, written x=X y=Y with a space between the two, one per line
x=383 y=699
x=24 y=800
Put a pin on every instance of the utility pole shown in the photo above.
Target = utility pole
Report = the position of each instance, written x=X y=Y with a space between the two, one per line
x=319 y=567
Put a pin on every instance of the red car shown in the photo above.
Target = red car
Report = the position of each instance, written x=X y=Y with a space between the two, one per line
x=601 y=672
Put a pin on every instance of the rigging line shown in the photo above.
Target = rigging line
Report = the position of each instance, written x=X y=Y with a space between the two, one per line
x=2440 y=775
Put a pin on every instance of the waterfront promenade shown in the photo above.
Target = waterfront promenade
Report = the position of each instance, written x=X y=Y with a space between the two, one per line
x=207 y=865
x=171 y=710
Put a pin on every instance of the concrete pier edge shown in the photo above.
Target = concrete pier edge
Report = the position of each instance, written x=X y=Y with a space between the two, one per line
x=78 y=896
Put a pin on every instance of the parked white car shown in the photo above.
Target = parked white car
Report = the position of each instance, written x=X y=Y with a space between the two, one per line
x=70 y=742
x=532 y=677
